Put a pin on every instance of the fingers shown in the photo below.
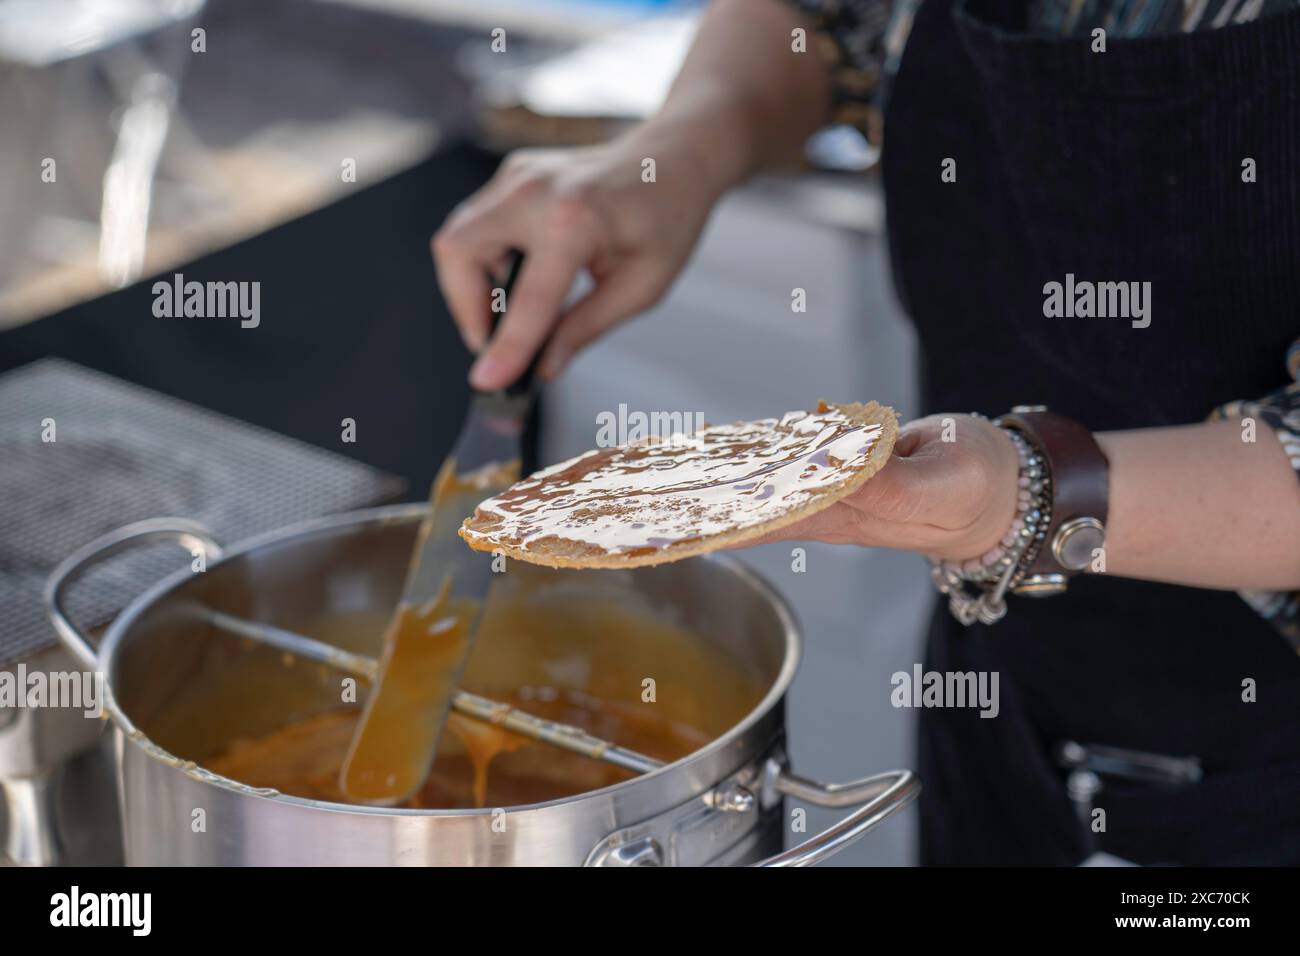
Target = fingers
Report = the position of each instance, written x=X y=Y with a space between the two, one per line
x=927 y=487
x=629 y=289
x=465 y=288
x=921 y=466
x=466 y=251
x=890 y=510
x=532 y=311
x=474 y=241
x=911 y=437
x=567 y=211
x=559 y=234
x=952 y=494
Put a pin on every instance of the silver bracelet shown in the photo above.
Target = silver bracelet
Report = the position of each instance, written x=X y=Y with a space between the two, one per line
x=976 y=588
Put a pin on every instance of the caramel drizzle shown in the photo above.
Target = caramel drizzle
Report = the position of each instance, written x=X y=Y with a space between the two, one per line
x=653 y=495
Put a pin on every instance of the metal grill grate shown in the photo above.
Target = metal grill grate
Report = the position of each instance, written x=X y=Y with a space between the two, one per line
x=123 y=453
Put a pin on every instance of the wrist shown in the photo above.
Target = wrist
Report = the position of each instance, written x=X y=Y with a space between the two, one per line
x=714 y=137
x=1001 y=495
x=996 y=570
x=1073 y=537
x=1059 y=526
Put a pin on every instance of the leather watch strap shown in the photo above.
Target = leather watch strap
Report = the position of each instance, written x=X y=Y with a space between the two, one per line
x=1078 y=471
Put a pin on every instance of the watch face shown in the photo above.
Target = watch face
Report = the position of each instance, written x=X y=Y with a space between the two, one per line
x=1077 y=543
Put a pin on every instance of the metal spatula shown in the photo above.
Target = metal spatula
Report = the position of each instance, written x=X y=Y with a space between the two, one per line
x=431 y=633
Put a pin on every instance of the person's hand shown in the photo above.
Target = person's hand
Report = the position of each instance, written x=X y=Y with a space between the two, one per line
x=945 y=499
x=569 y=209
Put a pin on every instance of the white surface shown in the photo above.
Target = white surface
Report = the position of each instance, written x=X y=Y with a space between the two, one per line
x=40 y=32
x=623 y=74
x=558 y=19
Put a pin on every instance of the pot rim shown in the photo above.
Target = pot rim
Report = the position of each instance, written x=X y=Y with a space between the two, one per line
x=397 y=514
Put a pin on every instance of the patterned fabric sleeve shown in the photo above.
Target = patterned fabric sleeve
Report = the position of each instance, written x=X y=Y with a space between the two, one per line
x=862 y=40
x=1281 y=412
x=851 y=36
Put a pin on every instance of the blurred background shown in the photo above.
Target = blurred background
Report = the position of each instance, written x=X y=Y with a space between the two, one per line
x=314 y=146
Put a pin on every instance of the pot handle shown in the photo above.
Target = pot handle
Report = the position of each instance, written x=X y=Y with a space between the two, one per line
x=188 y=534
x=881 y=796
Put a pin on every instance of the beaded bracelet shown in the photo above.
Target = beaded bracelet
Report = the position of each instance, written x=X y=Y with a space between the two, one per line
x=976 y=588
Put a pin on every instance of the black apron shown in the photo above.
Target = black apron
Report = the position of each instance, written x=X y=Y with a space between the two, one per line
x=1116 y=166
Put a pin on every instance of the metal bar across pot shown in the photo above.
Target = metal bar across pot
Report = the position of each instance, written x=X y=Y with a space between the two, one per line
x=565 y=736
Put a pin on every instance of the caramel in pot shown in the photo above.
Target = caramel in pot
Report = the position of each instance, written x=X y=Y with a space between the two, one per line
x=580 y=662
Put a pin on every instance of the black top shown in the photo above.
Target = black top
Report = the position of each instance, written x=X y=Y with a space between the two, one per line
x=1117 y=166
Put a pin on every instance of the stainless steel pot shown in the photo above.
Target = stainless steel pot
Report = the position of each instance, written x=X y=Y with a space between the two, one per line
x=722 y=804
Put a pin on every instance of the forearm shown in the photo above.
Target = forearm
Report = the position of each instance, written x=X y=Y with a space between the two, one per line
x=1197 y=505
x=743 y=100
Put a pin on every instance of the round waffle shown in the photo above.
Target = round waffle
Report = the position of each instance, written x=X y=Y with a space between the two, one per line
x=653 y=501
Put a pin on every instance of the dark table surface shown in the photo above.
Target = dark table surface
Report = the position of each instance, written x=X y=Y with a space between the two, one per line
x=352 y=326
